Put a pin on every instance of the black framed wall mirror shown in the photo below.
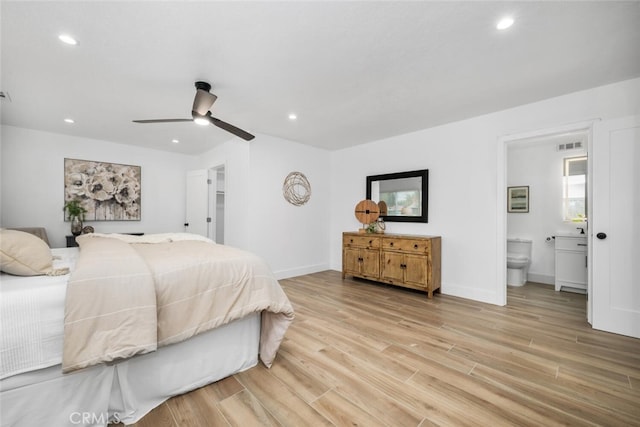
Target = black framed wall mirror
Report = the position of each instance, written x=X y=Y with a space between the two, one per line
x=406 y=195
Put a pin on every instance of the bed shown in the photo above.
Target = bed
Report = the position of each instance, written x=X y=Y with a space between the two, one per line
x=123 y=386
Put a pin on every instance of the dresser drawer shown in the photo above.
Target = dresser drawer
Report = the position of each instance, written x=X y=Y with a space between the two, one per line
x=361 y=241
x=406 y=245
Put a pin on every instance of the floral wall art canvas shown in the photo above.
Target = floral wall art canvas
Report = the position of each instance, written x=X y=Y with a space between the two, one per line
x=108 y=191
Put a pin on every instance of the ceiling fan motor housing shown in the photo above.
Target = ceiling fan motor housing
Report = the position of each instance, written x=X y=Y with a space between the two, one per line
x=204 y=86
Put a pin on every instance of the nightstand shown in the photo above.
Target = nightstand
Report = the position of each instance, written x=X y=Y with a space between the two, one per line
x=71 y=241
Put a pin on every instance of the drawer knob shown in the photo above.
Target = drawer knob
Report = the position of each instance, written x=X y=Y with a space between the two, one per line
x=415 y=246
x=391 y=244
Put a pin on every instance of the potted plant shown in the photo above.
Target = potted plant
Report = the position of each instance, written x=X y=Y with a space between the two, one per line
x=75 y=213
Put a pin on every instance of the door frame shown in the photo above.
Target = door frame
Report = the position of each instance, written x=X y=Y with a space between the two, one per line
x=501 y=205
x=213 y=199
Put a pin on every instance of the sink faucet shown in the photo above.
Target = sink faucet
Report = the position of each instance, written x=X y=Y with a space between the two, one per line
x=581 y=229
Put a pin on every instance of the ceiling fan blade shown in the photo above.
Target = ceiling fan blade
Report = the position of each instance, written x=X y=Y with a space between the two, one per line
x=231 y=128
x=162 y=120
x=203 y=101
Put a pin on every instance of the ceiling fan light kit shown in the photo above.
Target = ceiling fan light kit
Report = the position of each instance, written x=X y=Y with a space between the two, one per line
x=201 y=120
x=201 y=113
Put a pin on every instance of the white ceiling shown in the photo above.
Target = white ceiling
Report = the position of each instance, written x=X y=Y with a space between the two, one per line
x=353 y=72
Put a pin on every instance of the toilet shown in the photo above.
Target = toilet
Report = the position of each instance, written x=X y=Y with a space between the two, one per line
x=518 y=260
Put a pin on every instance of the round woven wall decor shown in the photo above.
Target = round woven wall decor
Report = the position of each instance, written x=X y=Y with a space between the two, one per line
x=296 y=189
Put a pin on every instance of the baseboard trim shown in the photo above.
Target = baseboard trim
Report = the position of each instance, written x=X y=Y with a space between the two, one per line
x=541 y=278
x=300 y=271
x=489 y=297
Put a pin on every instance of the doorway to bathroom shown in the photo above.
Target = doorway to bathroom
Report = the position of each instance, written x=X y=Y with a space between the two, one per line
x=547 y=176
x=613 y=303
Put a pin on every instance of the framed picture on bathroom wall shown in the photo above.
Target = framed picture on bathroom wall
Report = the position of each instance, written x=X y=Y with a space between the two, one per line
x=518 y=199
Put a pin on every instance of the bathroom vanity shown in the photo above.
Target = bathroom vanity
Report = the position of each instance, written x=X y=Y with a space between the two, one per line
x=571 y=263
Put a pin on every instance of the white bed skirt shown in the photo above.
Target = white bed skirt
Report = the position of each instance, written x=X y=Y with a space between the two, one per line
x=130 y=389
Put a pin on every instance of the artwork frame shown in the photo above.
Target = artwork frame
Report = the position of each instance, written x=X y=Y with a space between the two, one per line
x=108 y=191
x=518 y=199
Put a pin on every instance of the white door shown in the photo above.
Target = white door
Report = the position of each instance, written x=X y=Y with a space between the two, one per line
x=197 y=202
x=615 y=226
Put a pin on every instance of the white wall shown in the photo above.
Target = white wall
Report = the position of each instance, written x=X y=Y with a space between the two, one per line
x=294 y=240
x=460 y=159
x=33 y=182
x=465 y=161
x=234 y=155
x=539 y=165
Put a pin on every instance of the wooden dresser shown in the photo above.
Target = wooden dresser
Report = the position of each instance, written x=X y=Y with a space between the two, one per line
x=403 y=260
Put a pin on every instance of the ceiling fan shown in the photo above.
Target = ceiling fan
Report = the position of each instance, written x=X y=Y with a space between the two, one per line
x=200 y=113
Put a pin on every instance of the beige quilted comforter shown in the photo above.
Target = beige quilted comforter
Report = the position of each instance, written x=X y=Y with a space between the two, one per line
x=126 y=298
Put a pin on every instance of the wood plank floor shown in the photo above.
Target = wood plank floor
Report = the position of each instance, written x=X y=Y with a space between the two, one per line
x=366 y=354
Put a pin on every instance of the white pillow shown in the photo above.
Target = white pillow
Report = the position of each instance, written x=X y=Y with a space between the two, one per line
x=24 y=254
x=150 y=238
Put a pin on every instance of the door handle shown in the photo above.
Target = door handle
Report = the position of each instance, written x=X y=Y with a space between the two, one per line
x=601 y=236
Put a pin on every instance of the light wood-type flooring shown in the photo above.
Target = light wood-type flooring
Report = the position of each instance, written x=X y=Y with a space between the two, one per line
x=366 y=354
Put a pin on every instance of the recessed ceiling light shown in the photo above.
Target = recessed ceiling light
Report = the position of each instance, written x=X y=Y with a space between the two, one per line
x=66 y=38
x=175 y=141
x=292 y=116
x=504 y=23
x=69 y=120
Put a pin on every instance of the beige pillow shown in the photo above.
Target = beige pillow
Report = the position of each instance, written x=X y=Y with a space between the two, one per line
x=24 y=254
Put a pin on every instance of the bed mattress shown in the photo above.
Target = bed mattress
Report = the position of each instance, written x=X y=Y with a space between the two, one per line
x=126 y=391
x=32 y=317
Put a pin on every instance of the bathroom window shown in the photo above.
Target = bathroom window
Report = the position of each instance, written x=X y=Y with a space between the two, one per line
x=574 y=189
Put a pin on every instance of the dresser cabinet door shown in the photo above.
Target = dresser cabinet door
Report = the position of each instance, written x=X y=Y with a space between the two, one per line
x=352 y=261
x=416 y=270
x=362 y=262
x=392 y=267
x=370 y=264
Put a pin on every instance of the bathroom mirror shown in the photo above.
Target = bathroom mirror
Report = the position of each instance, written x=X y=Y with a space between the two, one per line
x=405 y=195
